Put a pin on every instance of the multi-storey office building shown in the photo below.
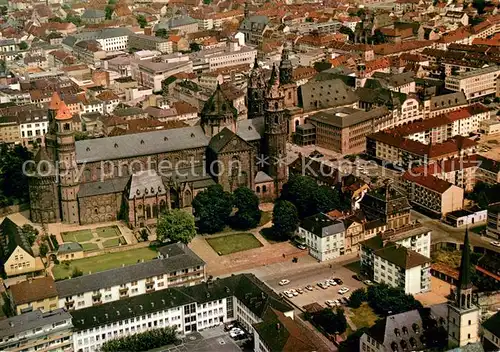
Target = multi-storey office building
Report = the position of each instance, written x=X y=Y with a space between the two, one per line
x=191 y=308
x=177 y=265
x=476 y=83
x=37 y=331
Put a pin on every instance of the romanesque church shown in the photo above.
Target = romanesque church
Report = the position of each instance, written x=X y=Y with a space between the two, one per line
x=135 y=177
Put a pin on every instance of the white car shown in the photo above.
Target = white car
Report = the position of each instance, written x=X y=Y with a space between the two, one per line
x=309 y=288
x=343 y=290
x=368 y=282
x=330 y=303
x=236 y=332
x=332 y=282
x=294 y=292
x=300 y=291
x=495 y=243
x=284 y=282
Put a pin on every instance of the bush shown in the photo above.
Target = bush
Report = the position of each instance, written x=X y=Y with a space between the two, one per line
x=145 y=341
x=44 y=249
x=55 y=244
x=385 y=300
x=76 y=272
x=330 y=321
x=357 y=298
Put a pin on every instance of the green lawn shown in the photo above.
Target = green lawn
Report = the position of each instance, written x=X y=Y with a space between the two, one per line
x=77 y=236
x=363 y=316
x=111 y=243
x=478 y=229
x=265 y=217
x=108 y=231
x=89 y=246
x=103 y=262
x=236 y=242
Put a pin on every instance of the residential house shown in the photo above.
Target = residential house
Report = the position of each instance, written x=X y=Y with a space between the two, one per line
x=9 y=130
x=491 y=333
x=324 y=236
x=110 y=101
x=16 y=252
x=400 y=258
x=34 y=294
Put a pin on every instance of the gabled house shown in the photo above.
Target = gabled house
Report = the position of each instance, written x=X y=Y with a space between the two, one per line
x=15 y=252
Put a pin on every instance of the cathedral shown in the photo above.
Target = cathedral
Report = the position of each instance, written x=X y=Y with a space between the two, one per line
x=136 y=177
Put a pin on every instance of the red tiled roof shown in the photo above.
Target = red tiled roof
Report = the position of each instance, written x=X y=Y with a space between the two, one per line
x=428 y=181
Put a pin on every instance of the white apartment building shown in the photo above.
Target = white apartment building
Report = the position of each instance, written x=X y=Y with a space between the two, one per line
x=243 y=298
x=399 y=258
x=33 y=125
x=411 y=110
x=231 y=55
x=113 y=39
x=91 y=106
x=475 y=84
x=324 y=236
x=37 y=331
x=149 y=42
x=179 y=267
x=151 y=73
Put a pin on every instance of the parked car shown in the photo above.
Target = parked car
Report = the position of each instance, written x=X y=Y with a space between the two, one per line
x=284 y=282
x=332 y=282
x=343 y=290
x=330 y=303
x=294 y=292
x=368 y=282
x=495 y=243
x=337 y=280
x=300 y=291
x=309 y=288
x=356 y=277
x=235 y=332
x=301 y=246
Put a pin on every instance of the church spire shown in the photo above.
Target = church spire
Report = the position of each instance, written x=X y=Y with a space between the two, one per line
x=464 y=277
x=246 y=11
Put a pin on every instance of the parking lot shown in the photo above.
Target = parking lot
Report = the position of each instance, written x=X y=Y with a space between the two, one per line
x=213 y=339
x=321 y=295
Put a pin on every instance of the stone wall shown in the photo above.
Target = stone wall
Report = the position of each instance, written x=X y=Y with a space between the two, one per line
x=99 y=208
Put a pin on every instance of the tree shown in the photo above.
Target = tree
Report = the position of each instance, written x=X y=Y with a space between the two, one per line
x=479 y=5
x=332 y=322
x=162 y=33
x=144 y=235
x=108 y=12
x=347 y=31
x=23 y=45
x=76 y=272
x=212 y=208
x=176 y=225
x=387 y=300
x=309 y=20
x=14 y=182
x=379 y=37
x=111 y=2
x=143 y=341
x=285 y=219
x=496 y=99
x=357 y=298
x=194 y=46
x=322 y=65
x=326 y=199
x=30 y=233
x=247 y=203
x=3 y=10
x=300 y=191
x=56 y=19
x=44 y=249
x=487 y=101
x=141 y=20
x=207 y=2
x=76 y=20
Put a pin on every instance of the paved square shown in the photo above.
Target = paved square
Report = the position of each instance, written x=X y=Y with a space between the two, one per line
x=209 y=340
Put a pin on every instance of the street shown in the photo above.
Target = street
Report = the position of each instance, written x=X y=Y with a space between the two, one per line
x=442 y=232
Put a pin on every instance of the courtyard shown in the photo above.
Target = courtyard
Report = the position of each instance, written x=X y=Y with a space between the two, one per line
x=95 y=238
x=103 y=262
x=233 y=243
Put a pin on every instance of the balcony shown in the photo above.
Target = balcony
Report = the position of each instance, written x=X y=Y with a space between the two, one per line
x=69 y=304
x=123 y=290
x=150 y=286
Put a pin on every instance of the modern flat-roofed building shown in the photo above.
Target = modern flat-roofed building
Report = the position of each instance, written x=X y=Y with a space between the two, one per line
x=177 y=265
x=476 y=83
x=243 y=298
x=148 y=42
x=344 y=129
x=151 y=73
x=37 y=331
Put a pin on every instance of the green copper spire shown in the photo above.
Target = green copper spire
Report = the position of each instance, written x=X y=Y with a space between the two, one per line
x=464 y=279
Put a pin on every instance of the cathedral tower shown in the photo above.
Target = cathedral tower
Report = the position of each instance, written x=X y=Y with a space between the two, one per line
x=218 y=112
x=276 y=120
x=289 y=87
x=66 y=162
x=256 y=92
x=463 y=314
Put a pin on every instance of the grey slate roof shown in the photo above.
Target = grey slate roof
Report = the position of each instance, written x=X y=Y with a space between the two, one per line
x=114 y=185
x=139 y=144
x=180 y=258
x=93 y=13
x=250 y=129
x=146 y=183
x=262 y=177
x=70 y=41
x=31 y=321
x=346 y=116
x=448 y=100
x=394 y=80
x=69 y=247
x=322 y=225
x=326 y=94
x=221 y=139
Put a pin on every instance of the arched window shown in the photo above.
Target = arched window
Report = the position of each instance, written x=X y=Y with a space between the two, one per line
x=264 y=189
x=257 y=189
x=188 y=198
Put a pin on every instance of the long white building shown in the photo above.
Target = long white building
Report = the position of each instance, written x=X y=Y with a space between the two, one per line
x=192 y=308
x=177 y=265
